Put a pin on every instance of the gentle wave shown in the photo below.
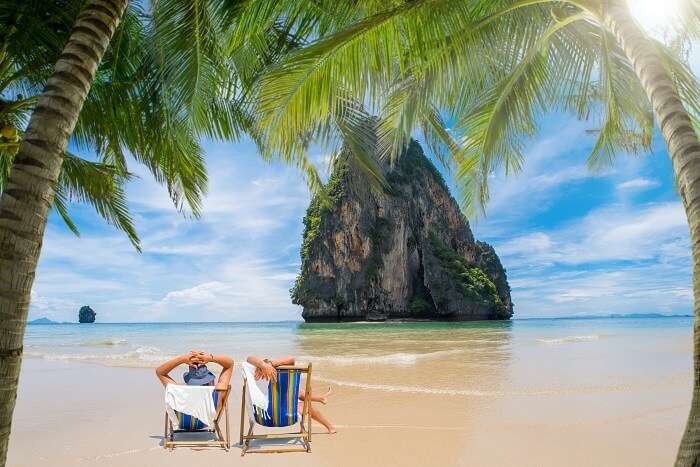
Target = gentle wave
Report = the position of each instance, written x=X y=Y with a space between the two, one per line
x=140 y=357
x=563 y=340
x=107 y=342
x=401 y=358
x=575 y=390
x=408 y=389
x=104 y=342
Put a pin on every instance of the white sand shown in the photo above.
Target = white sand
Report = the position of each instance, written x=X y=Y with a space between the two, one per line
x=73 y=414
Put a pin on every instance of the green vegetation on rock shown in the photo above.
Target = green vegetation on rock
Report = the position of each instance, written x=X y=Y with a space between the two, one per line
x=419 y=305
x=331 y=196
x=411 y=165
x=473 y=283
x=489 y=263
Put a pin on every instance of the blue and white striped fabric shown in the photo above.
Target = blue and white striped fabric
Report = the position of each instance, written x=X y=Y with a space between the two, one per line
x=282 y=397
x=190 y=423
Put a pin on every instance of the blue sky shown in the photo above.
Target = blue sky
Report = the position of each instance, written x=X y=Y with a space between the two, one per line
x=574 y=242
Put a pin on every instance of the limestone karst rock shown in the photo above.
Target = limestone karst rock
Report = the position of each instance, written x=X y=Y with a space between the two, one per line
x=405 y=254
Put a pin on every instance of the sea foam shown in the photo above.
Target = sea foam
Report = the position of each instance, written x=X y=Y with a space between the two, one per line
x=146 y=356
x=401 y=358
x=565 y=339
x=409 y=389
x=518 y=392
x=104 y=342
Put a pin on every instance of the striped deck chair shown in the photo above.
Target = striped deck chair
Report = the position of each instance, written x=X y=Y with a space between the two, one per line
x=189 y=424
x=282 y=412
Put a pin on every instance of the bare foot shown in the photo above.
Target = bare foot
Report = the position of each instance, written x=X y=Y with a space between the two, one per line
x=324 y=398
x=331 y=430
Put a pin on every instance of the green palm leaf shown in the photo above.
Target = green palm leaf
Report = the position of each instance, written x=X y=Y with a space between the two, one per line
x=100 y=185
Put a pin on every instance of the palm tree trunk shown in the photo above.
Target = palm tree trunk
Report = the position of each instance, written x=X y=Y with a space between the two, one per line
x=684 y=151
x=29 y=191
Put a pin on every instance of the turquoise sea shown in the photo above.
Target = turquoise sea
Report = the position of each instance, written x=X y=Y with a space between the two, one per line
x=521 y=357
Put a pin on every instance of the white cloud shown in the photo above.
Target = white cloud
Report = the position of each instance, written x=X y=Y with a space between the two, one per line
x=613 y=233
x=552 y=161
x=198 y=295
x=636 y=289
x=536 y=241
x=577 y=243
x=619 y=258
x=249 y=289
x=237 y=262
x=637 y=184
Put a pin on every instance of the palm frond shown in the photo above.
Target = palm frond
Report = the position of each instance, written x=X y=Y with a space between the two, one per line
x=627 y=123
x=60 y=206
x=302 y=90
x=100 y=185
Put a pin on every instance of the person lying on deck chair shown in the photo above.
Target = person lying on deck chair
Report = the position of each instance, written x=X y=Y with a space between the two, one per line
x=266 y=369
x=198 y=373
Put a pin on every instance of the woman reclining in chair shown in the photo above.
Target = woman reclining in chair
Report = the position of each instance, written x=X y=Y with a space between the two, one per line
x=266 y=369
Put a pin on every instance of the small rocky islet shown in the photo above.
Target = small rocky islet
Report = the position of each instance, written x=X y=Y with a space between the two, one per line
x=407 y=253
x=86 y=314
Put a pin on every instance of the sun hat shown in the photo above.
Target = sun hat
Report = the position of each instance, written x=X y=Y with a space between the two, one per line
x=199 y=376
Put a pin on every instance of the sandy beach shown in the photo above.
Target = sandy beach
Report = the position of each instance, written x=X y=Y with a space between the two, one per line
x=71 y=414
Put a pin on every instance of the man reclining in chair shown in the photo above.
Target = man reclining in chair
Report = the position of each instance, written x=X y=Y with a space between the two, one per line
x=197 y=372
x=199 y=405
x=266 y=369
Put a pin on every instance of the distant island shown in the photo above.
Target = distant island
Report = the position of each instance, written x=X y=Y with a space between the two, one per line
x=647 y=315
x=43 y=321
x=614 y=316
x=86 y=315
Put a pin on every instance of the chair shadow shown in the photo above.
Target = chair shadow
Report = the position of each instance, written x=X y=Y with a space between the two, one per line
x=161 y=439
x=271 y=443
x=185 y=436
x=239 y=446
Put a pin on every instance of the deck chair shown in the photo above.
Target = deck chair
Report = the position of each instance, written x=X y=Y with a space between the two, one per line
x=282 y=412
x=191 y=425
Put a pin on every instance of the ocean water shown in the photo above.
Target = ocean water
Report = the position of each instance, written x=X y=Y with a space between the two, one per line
x=480 y=359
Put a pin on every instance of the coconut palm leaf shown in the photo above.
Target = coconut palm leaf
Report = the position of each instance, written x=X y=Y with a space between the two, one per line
x=100 y=185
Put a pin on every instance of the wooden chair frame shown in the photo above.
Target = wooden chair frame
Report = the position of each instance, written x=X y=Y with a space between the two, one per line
x=219 y=441
x=304 y=433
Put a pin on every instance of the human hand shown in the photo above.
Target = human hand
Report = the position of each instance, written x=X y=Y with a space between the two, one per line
x=196 y=357
x=206 y=357
x=266 y=371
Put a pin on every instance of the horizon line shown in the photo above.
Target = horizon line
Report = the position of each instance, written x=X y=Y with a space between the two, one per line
x=572 y=317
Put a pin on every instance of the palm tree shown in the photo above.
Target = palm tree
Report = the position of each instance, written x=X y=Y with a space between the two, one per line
x=94 y=182
x=125 y=83
x=493 y=67
x=28 y=191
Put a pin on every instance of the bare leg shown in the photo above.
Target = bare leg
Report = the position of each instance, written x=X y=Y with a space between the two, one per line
x=322 y=399
x=316 y=415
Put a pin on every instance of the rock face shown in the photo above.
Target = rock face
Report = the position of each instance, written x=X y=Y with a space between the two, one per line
x=86 y=315
x=406 y=254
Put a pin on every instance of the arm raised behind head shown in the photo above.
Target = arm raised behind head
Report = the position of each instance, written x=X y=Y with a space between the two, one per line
x=265 y=369
x=162 y=372
x=288 y=360
x=226 y=363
